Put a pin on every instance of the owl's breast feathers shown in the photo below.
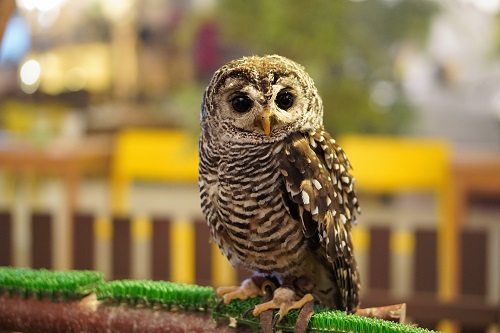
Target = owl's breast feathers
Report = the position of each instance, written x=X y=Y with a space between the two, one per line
x=241 y=196
x=272 y=206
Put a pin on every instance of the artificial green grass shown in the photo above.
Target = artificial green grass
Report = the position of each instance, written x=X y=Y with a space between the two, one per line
x=70 y=285
x=42 y=283
x=156 y=293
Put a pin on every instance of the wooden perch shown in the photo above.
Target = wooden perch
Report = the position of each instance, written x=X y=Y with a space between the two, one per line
x=90 y=315
x=396 y=313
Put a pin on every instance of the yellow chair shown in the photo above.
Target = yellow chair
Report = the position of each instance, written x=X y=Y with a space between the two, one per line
x=385 y=164
x=151 y=155
x=160 y=156
x=393 y=164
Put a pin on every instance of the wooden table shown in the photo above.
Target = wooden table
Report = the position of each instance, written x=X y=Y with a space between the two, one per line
x=72 y=163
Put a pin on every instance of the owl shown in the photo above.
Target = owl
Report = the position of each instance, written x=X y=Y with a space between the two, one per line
x=275 y=187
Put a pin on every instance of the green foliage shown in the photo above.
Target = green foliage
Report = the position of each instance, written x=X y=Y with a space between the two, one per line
x=346 y=46
x=285 y=27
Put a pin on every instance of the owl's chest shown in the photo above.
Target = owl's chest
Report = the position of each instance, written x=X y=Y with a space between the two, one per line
x=249 y=182
x=247 y=212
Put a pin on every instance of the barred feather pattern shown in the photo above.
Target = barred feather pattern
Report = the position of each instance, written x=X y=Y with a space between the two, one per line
x=242 y=199
x=279 y=208
x=280 y=203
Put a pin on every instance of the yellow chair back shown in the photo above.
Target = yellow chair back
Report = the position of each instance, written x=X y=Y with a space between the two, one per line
x=151 y=155
x=392 y=164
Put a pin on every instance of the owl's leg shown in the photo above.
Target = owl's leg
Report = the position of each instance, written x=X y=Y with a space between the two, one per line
x=248 y=289
x=284 y=299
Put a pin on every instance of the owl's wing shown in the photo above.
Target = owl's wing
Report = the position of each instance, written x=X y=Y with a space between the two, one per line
x=319 y=192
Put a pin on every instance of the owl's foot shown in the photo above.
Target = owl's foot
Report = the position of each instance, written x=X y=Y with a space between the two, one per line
x=284 y=299
x=248 y=289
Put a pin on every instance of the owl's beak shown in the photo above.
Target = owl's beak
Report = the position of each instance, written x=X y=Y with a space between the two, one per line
x=265 y=121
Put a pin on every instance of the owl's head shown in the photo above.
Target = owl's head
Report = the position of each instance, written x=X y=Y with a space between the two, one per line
x=261 y=99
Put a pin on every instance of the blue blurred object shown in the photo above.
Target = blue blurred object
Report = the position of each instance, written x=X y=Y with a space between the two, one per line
x=16 y=41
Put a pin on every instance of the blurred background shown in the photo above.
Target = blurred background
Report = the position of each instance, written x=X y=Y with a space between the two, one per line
x=99 y=107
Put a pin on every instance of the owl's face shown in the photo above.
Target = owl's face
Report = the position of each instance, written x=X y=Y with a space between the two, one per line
x=261 y=99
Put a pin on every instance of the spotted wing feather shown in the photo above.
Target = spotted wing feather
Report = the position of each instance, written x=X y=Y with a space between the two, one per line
x=320 y=189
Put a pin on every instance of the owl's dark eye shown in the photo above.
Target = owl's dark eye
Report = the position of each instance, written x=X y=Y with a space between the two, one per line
x=241 y=103
x=284 y=100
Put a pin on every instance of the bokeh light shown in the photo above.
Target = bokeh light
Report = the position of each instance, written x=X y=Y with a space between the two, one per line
x=489 y=6
x=75 y=79
x=29 y=75
x=43 y=6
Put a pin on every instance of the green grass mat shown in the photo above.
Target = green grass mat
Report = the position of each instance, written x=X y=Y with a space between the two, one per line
x=69 y=285
x=159 y=293
x=42 y=283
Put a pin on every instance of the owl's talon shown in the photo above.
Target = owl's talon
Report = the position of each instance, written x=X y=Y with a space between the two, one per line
x=268 y=289
x=247 y=311
x=219 y=303
x=276 y=319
